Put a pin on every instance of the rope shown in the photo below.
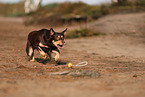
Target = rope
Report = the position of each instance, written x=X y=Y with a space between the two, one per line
x=70 y=65
x=79 y=64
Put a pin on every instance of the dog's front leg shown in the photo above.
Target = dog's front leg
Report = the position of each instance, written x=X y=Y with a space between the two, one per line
x=42 y=53
x=57 y=54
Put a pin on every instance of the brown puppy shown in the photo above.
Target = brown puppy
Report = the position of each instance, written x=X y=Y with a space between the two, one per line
x=46 y=42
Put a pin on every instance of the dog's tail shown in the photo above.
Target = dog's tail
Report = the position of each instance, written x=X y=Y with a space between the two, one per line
x=28 y=46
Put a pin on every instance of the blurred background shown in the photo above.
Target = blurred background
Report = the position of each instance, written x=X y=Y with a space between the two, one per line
x=44 y=2
x=56 y=13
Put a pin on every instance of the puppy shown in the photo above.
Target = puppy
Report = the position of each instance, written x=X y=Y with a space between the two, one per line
x=46 y=42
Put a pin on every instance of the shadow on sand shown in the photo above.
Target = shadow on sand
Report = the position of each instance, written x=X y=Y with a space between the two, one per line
x=40 y=60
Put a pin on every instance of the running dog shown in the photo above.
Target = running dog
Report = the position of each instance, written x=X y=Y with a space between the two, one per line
x=46 y=42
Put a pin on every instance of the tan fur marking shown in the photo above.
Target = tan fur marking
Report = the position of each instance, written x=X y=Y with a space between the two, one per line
x=30 y=51
x=42 y=53
x=57 y=55
x=57 y=42
x=42 y=45
x=33 y=59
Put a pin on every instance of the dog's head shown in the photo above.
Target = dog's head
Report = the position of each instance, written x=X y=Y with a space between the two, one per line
x=58 y=38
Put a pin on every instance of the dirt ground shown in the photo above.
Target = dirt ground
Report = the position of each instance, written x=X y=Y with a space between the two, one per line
x=117 y=58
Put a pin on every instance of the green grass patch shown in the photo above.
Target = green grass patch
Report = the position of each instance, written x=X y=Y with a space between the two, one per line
x=84 y=32
x=51 y=6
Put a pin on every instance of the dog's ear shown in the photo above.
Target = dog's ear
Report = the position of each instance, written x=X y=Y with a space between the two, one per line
x=51 y=31
x=64 y=32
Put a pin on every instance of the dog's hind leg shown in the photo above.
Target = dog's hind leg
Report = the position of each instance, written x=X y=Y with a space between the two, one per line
x=30 y=51
x=49 y=54
x=31 y=54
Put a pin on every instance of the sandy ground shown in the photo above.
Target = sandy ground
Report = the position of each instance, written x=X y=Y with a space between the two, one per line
x=117 y=58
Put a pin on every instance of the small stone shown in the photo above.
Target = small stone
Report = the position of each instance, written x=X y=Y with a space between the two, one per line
x=135 y=75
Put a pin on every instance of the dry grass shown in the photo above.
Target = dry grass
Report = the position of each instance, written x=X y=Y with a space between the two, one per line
x=12 y=9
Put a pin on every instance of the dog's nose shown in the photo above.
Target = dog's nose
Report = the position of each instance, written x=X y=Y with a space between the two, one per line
x=63 y=42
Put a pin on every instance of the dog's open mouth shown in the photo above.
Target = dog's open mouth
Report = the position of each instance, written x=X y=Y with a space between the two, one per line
x=59 y=46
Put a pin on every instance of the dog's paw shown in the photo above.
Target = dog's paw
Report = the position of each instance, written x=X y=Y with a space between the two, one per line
x=32 y=60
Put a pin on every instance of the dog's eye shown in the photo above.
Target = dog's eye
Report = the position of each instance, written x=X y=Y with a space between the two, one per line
x=61 y=36
x=58 y=36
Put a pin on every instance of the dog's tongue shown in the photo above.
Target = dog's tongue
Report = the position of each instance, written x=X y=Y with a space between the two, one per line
x=60 y=47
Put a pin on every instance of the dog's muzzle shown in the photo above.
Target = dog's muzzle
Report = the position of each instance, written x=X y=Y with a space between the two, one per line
x=59 y=46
